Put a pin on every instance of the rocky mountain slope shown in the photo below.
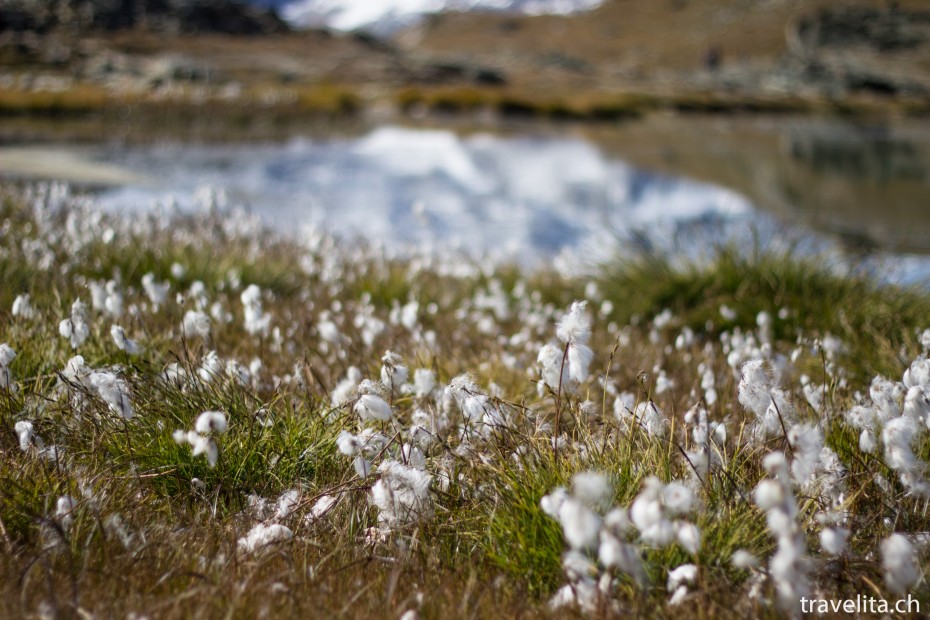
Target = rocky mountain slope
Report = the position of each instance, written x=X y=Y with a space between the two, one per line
x=623 y=58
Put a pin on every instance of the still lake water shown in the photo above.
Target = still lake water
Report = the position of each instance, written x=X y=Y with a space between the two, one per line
x=538 y=193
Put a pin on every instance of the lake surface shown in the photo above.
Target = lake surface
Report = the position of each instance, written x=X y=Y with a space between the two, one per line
x=538 y=194
x=866 y=183
x=521 y=198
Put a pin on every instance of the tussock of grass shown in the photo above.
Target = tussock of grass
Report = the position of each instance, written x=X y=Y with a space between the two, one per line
x=77 y=100
x=488 y=550
x=874 y=321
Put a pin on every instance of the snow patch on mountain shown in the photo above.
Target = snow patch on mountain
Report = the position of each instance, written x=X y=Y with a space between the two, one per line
x=385 y=16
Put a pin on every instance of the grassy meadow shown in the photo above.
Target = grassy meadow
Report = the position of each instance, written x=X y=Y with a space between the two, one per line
x=702 y=438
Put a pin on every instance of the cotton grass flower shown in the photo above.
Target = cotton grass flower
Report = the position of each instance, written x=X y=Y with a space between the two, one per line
x=238 y=373
x=202 y=438
x=925 y=339
x=887 y=397
x=77 y=372
x=789 y=566
x=288 y=502
x=211 y=422
x=122 y=342
x=651 y=515
x=552 y=503
x=393 y=372
x=650 y=418
x=262 y=536
x=806 y=441
x=834 y=540
x=7 y=355
x=413 y=456
x=677 y=498
x=22 y=307
x=75 y=328
x=257 y=321
x=901 y=570
x=98 y=294
x=758 y=394
x=688 y=536
x=475 y=405
x=348 y=444
x=592 y=488
x=583 y=595
x=371 y=407
x=64 y=511
x=424 y=381
x=744 y=560
x=898 y=437
x=321 y=506
x=580 y=525
x=362 y=466
x=114 y=392
x=196 y=323
x=113 y=303
x=574 y=330
x=554 y=368
x=401 y=495
x=617 y=521
x=211 y=367
x=677 y=580
x=917 y=374
x=612 y=553
x=157 y=292
x=25 y=431
x=345 y=389
x=917 y=405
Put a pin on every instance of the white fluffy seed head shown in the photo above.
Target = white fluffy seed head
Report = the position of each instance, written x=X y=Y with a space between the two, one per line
x=677 y=498
x=552 y=503
x=579 y=360
x=686 y=573
x=553 y=371
x=7 y=354
x=901 y=570
x=348 y=444
x=744 y=560
x=833 y=540
x=288 y=502
x=402 y=495
x=688 y=536
x=262 y=536
x=592 y=488
x=22 y=307
x=24 y=430
x=575 y=326
x=769 y=494
x=580 y=525
x=211 y=422
x=424 y=380
x=113 y=391
x=196 y=323
x=371 y=407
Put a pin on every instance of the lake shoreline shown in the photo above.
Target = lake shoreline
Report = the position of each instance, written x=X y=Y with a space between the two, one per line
x=80 y=114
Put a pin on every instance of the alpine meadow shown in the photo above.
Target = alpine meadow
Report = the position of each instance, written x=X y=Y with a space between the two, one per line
x=200 y=417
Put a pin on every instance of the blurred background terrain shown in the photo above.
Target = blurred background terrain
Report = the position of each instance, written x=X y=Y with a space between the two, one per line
x=690 y=54
x=813 y=110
